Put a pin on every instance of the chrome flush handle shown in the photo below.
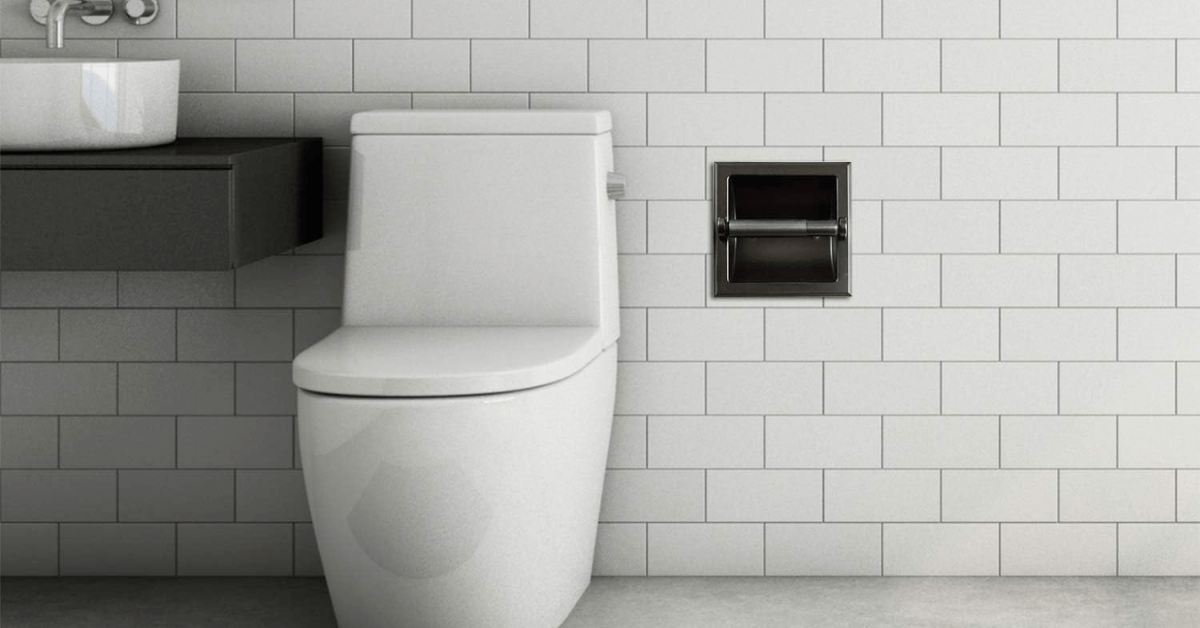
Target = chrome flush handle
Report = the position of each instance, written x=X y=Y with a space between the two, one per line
x=616 y=186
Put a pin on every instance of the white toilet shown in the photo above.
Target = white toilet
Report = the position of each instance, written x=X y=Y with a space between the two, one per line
x=454 y=431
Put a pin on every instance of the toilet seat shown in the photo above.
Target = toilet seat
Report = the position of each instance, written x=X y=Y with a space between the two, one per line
x=408 y=361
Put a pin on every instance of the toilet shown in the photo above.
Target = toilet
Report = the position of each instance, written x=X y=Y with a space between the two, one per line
x=454 y=430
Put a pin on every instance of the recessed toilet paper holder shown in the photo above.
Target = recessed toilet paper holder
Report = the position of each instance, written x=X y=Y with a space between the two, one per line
x=781 y=229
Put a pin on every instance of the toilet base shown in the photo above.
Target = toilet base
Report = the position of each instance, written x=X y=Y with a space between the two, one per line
x=459 y=512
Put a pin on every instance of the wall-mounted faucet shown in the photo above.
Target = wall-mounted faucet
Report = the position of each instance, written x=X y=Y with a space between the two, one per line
x=95 y=12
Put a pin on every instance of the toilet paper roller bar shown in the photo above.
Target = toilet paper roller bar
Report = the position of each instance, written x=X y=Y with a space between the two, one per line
x=780 y=228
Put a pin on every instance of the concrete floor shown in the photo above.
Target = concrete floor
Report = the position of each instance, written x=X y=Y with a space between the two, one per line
x=638 y=603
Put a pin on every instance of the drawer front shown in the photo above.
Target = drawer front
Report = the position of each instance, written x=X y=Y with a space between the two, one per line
x=115 y=219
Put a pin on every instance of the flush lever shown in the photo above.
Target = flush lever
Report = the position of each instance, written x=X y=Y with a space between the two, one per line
x=780 y=228
x=616 y=186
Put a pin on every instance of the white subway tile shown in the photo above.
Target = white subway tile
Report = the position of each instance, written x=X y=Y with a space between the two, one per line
x=892 y=173
x=818 y=19
x=1159 y=227
x=705 y=119
x=999 y=280
x=1189 y=388
x=931 y=442
x=764 y=495
x=823 y=334
x=1041 y=442
x=628 y=112
x=1159 y=334
x=470 y=18
x=328 y=115
x=705 y=549
x=824 y=549
x=620 y=550
x=661 y=280
x=940 y=18
x=235 y=115
x=1000 y=173
x=495 y=100
x=1187 y=492
x=265 y=65
x=640 y=495
x=204 y=65
x=1058 y=119
x=72 y=48
x=58 y=289
x=1159 y=119
x=1158 y=442
x=764 y=388
x=1058 y=18
x=631 y=227
x=1117 y=280
x=1058 y=549
x=866 y=223
x=1164 y=19
x=1058 y=227
x=891 y=495
x=710 y=442
x=764 y=66
x=881 y=388
x=1000 y=495
x=582 y=19
x=627 y=444
x=823 y=442
x=1153 y=549
x=995 y=65
x=699 y=334
x=662 y=173
x=936 y=334
x=864 y=65
x=1117 y=65
x=999 y=388
x=1121 y=173
x=679 y=227
x=1058 y=334
x=953 y=549
x=941 y=227
x=631 y=65
x=1188 y=290
x=233 y=19
x=558 y=65
x=704 y=18
x=1188 y=72
x=1117 y=388
x=822 y=119
x=660 y=388
x=1112 y=495
x=941 y=119
x=406 y=66
x=382 y=19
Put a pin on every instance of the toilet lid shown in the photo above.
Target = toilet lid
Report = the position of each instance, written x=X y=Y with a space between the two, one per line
x=443 y=361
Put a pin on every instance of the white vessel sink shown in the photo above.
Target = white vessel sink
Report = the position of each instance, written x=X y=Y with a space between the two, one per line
x=81 y=104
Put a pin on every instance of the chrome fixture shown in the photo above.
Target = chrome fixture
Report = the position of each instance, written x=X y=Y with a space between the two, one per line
x=141 y=12
x=94 y=12
x=616 y=186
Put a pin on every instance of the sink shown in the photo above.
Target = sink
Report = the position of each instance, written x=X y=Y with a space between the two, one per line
x=82 y=104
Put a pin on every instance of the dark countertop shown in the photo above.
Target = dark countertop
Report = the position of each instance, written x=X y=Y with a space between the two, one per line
x=185 y=152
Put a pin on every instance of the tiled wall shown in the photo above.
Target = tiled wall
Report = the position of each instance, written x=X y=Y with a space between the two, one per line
x=1014 y=387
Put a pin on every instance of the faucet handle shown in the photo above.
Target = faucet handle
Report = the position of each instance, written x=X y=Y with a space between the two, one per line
x=40 y=10
x=98 y=13
x=141 y=12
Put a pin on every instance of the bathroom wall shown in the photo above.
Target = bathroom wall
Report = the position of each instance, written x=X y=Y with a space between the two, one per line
x=1013 y=389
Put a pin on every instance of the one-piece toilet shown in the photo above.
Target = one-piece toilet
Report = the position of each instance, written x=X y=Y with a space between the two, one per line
x=454 y=431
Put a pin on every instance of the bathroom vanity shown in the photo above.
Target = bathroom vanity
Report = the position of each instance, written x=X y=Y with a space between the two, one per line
x=195 y=204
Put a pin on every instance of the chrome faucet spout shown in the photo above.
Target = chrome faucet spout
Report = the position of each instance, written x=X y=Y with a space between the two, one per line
x=59 y=9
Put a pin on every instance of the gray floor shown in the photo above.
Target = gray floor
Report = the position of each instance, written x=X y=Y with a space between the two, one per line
x=638 y=603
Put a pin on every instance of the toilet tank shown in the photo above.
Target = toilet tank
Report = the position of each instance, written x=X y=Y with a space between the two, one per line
x=481 y=218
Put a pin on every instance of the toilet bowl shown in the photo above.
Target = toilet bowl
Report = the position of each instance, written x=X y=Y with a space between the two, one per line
x=454 y=431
